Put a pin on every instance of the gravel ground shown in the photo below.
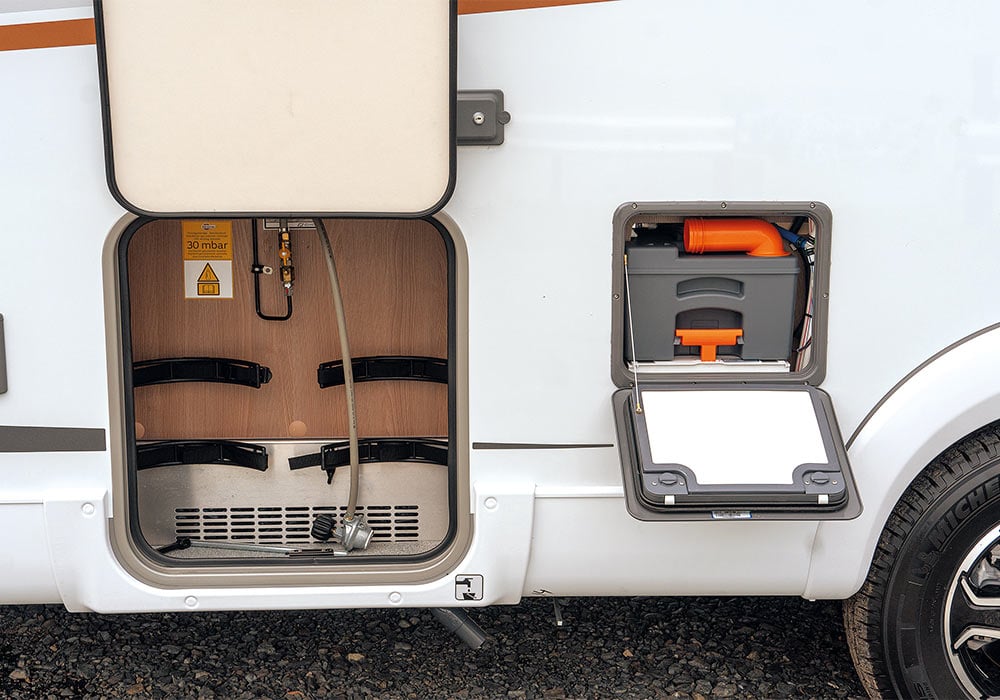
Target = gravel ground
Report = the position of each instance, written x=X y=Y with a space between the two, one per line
x=625 y=648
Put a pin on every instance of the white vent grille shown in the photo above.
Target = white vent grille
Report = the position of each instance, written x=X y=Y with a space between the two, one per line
x=290 y=524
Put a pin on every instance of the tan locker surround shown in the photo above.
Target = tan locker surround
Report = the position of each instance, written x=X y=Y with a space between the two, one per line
x=394 y=276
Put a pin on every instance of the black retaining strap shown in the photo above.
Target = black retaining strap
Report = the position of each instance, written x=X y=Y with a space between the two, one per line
x=175 y=452
x=199 y=369
x=338 y=454
x=385 y=367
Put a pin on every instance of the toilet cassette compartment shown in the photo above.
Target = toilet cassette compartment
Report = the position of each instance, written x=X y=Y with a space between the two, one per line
x=718 y=352
x=672 y=291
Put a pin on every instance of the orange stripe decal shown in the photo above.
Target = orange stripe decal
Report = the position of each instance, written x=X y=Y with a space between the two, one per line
x=471 y=7
x=41 y=35
x=79 y=32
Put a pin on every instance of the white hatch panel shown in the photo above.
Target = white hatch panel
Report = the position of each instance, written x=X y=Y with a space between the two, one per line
x=732 y=452
x=734 y=437
x=255 y=106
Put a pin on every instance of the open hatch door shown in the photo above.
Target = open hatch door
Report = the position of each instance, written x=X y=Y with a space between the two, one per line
x=331 y=107
x=733 y=452
x=718 y=348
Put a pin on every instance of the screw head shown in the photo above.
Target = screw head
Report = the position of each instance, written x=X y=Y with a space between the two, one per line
x=478 y=118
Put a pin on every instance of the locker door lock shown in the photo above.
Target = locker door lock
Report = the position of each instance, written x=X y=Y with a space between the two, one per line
x=480 y=118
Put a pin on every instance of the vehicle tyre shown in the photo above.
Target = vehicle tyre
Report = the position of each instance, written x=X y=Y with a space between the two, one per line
x=926 y=622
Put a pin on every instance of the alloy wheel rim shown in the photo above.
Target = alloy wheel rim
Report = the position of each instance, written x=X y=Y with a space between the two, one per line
x=971 y=622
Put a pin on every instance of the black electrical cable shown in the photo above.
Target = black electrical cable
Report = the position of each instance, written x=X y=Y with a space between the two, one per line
x=797 y=223
x=257 y=269
x=807 y=274
x=806 y=264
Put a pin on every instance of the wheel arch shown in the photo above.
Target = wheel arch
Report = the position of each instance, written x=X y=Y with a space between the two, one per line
x=944 y=400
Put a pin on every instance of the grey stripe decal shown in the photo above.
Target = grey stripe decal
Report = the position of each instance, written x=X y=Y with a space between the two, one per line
x=16 y=438
x=912 y=373
x=535 y=446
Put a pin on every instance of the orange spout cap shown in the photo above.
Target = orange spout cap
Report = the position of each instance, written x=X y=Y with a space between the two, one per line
x=751 y=236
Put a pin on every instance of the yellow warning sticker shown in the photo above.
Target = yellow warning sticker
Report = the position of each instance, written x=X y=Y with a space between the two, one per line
x=207 y=240
x=208 y=282
x=207 y=254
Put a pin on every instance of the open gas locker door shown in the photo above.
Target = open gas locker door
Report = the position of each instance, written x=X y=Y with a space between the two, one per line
x=284 y=160
x=318 y=106
x=718 y=345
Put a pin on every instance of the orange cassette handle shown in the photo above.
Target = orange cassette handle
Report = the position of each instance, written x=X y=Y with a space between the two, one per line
x=709 y=339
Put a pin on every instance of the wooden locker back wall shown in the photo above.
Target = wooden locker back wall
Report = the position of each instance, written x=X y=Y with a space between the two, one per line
x=394 y=275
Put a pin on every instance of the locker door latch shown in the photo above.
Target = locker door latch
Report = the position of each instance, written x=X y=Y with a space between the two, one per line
x=480 y=118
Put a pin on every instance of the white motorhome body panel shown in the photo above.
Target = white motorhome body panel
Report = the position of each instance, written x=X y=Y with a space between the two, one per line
x=35 y=583
x=887 y=113
x=899 y=140
x=91 y=579
x=355 y=95
x=57 y=213
x=949 y=398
